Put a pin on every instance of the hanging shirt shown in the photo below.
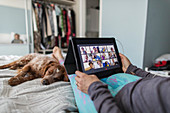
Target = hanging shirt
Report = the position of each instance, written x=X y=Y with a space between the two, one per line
x=73 y=23
x=36 y=15
x=62 y=23
x=49 y=30
x=57 y=10
x=55 y=23
x=40 y=15
x=69 y=28
x=50 y=14
x=34 y=21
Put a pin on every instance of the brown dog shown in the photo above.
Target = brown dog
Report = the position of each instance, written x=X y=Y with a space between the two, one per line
x=36 y=66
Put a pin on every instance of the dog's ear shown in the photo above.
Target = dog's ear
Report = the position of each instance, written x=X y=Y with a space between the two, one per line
x=66 y=78
x=45 y=69
x=65 y=74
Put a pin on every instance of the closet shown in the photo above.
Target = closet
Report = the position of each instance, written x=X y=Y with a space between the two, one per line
x=54 y=24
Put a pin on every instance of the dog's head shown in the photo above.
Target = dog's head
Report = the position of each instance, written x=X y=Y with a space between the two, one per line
x=53 y=74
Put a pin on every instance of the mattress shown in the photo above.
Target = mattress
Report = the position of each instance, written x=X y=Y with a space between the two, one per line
x=32 y=96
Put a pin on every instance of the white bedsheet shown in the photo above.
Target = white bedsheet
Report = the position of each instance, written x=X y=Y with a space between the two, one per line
x=32 y=96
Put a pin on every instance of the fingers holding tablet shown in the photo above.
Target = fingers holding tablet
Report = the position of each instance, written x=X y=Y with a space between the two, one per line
x=83 y=81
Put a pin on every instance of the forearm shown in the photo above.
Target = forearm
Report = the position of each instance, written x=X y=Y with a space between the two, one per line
x=102 y=98
x=137 y=71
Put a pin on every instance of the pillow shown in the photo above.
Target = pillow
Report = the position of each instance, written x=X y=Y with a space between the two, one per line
x=83 y=101
x=115 y=83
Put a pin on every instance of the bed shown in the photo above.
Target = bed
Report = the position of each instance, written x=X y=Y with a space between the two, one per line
x=32 y=96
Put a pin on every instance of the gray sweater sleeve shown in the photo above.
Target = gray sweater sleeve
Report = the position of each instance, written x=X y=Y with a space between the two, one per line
x=102 y=98
x=138 y=72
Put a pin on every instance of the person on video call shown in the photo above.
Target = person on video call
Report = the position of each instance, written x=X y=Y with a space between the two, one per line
x=83 y=51
x=99 y=64
x=149 y=94
x=91 y=66
x=103 y=56
x=113 y=62
x=106 y=64
x=95 y=50
x=17 y=39
x=103 y=49
x=112 y=49
x=95 y=57
x=86 y=58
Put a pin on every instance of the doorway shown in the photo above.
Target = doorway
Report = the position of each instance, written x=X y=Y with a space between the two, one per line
x=92 y=18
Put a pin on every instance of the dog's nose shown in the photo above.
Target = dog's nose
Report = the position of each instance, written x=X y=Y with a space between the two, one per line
x=45 y=82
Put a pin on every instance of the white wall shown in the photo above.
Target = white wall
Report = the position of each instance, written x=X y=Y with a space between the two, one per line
x=126 y=21
x=15 y=3
x=14 y=49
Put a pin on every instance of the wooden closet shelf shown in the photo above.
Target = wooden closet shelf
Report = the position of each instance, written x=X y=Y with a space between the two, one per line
x=45 y=50
x=62 y=2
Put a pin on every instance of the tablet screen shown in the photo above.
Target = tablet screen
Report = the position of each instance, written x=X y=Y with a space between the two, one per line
x=97 y=57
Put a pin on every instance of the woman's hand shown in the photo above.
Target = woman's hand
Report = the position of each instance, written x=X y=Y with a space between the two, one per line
x=125 y=62
x=83 y=81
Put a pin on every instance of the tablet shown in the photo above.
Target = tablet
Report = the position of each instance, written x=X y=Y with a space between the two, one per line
x=97 y=56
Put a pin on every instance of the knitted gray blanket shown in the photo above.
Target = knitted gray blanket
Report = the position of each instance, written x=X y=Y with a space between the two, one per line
x=32 y=96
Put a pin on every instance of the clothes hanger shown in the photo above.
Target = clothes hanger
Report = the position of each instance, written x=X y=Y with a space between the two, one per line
x=49 y=2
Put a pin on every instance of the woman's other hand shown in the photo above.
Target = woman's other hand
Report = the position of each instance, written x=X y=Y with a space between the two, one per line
x=125 y=62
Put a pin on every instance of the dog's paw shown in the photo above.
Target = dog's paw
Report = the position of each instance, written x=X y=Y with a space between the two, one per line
x=13 y=81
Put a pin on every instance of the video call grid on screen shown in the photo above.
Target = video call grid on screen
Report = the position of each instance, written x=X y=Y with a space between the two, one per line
x=95 y=56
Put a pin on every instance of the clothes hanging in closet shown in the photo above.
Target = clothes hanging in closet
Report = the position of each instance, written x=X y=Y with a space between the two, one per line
x=54 y=25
